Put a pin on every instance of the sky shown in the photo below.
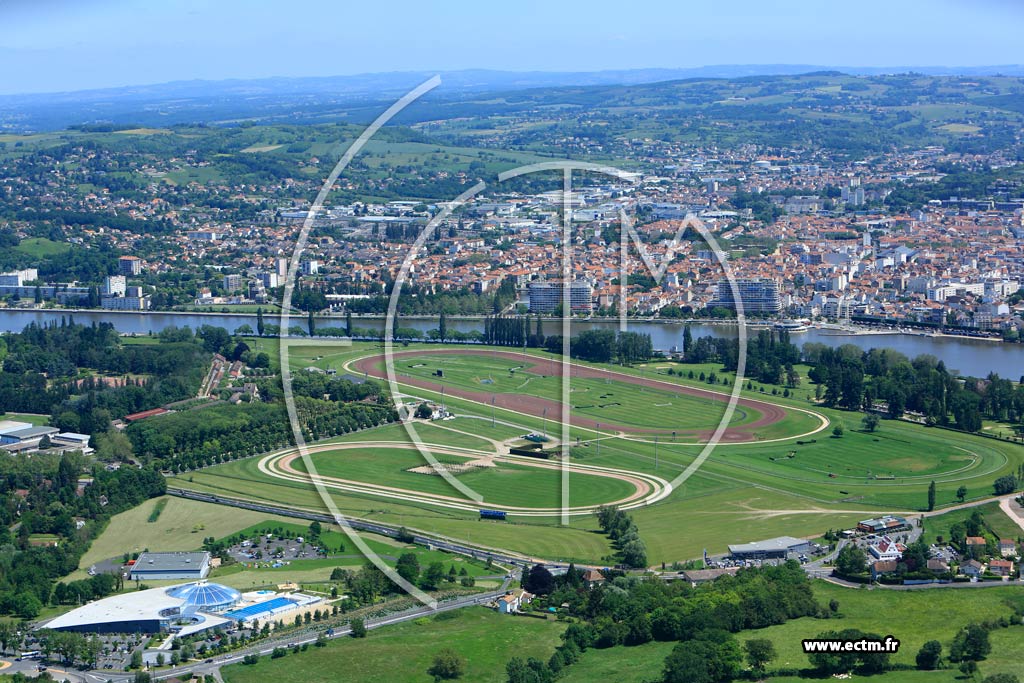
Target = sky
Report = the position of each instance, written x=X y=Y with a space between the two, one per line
x=62 y=45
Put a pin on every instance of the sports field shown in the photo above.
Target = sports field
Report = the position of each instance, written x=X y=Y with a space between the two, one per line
x=789 y=477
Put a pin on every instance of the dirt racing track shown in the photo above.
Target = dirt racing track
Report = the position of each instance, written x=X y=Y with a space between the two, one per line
x=647 y=488
x=770 y=413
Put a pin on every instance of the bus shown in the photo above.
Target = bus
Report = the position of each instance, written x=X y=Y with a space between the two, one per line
x=492 y=514
x=31 y=654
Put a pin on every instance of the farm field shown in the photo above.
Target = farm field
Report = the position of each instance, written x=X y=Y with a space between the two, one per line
x=485 y=639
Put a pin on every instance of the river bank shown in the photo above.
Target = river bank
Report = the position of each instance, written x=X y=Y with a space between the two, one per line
x=968 y=355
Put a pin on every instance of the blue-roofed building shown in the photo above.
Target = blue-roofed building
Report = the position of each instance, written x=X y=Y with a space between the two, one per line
x=206 y=597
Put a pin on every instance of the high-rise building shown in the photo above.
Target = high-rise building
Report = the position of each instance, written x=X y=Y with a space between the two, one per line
x=129 y=265
x=310 y=267
x=114 y=285
x=232 y=283
x=270 y=280
x=545 y=297
x=757 y=296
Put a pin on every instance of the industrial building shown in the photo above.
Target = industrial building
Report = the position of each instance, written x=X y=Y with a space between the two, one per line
x=163 y=566
x=779 y=548
x=23 y=434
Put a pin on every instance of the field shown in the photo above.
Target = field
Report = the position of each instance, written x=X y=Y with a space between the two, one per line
x=488 y=640
x=913 y=617
x=404 y=652
x=182 y=525
x=40 y=247
x=789 y=477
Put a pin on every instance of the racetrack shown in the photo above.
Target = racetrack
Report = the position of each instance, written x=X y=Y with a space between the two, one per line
x=647 y=488
x=768 y=413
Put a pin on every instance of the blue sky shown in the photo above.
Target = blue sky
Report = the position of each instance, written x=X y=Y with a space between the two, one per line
x=51 y=45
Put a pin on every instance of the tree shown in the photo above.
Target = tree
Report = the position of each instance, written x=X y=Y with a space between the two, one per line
x=837 y=431
x=851 y=560
x=968 y=668
x=348 y=323
x=971 y=643
x=423 y=411
x=442 y=327
x=408 y=567
x=870 y=422
x=931 y=496
x=1001 y=678
x=433 y=577
x=961 y=493
x=760 y=651
x=713 y=658
x=311 y=324
x=7 y=635
x=448 y=665
x=1005 y=484
x=358 y=627
x=539 y=580
x=260 y=326
x=930 y=655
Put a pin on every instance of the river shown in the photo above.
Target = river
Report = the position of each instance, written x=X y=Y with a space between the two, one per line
x=976 y=357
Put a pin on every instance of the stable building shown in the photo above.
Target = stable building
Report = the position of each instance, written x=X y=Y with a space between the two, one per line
x=780 y=548
x=172 y=566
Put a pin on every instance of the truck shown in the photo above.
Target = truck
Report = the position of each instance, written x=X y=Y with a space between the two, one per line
x=492 y=514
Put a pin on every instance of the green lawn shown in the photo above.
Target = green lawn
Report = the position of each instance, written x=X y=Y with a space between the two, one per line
x=504 y=484
x=404 y=652
x=913 y=617
x=41 y=247
x=26 y=417
x=182 y=525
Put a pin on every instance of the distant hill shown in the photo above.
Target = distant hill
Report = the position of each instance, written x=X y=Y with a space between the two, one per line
x=353 y=98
